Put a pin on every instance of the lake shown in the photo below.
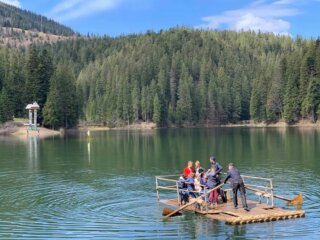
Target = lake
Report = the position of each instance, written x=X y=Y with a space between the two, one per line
x=104 y=187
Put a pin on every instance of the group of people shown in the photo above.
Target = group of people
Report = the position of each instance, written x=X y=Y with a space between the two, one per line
x=196 y=181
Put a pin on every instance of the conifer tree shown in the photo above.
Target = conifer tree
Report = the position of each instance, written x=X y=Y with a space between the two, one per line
x=156 y=110
x=32 y=87
x=184 y=104
x=61 y=108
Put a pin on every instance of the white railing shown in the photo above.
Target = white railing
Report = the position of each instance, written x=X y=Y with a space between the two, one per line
x=261 y=186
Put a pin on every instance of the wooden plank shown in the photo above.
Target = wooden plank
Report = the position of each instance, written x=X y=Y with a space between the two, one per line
x=258 y=213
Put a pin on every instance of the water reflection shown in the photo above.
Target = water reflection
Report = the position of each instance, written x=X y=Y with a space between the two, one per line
x=89 y=151
x=33 y=151
x=48 y=186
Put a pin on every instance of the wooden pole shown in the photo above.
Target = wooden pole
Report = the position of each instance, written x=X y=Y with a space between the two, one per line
x=276 y=196
x=167 y=188
x=193 y=200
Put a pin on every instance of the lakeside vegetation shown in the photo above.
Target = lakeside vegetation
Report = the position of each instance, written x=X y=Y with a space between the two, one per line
x=175 y=77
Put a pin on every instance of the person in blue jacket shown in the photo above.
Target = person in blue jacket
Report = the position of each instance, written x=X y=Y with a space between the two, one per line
x=183 y=192
x=213 y=180
x=237 y=185
x=215 y=164
x=190 y=186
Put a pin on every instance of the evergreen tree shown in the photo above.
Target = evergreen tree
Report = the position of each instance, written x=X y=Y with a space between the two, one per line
x=312 y=100
x=291 y=99
x=136 y=103
x=156 y=110
x=6 y=113
x=32 y=87
x=184 y=104
x=275 y=100
x=44 y=73
x=61 y=107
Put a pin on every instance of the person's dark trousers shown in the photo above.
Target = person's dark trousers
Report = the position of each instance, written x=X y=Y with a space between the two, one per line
x=184 y=196
x=240 y=187
x=193 y=194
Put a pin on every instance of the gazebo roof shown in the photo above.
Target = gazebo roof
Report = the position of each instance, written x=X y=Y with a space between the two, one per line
x=34 y=105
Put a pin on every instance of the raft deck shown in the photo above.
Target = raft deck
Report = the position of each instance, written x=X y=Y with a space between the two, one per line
x=259 y=212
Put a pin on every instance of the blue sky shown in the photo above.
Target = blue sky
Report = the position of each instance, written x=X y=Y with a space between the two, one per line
x=116 y=17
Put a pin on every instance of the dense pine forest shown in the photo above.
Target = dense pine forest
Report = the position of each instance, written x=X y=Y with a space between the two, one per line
x=180 y=77
x=14 y=17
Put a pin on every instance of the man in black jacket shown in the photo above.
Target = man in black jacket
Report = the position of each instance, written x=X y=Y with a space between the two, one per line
x=237 y=184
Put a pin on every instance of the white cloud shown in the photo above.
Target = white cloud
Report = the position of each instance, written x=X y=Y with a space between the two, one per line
x=72 y=9
x=15 y=3
x=261 y=15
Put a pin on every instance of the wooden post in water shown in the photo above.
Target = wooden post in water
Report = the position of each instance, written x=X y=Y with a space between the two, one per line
x=178 y=195
x=272 y=197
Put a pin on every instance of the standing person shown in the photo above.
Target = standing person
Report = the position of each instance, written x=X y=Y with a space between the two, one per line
x=215 y=164
x=237 y=185
x=198 y=167
x=213 y=181
x=188 y=169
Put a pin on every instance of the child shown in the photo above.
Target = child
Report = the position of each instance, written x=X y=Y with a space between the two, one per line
x=183 y=193
x=203 y=185
x=197 y=183
x=190 y=186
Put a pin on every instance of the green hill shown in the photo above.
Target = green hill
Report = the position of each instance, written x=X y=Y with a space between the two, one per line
x=176 y=77
x=14 y=17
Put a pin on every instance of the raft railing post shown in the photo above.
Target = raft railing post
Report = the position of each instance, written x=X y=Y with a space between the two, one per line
x=272 y=197
x=178 y=195
x=157 y=189
x=206 y=199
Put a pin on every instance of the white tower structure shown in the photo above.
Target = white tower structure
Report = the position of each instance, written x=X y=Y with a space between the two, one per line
x=33 y=108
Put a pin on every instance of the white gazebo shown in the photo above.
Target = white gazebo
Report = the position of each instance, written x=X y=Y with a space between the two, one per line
x=33 y=115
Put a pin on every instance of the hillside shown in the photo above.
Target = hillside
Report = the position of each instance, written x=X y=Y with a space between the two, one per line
x=17 y=38
x=180 y=77
x=14 y=17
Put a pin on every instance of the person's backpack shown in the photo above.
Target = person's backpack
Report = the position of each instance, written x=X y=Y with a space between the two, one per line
x=223 y=196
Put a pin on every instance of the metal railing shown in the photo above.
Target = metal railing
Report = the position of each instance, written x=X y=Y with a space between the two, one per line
x=262 y=186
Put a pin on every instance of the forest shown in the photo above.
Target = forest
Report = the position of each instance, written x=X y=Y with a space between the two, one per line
x=13 y=17
x=177 y=77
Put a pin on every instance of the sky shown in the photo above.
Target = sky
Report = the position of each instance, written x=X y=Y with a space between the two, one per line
x=118 y=17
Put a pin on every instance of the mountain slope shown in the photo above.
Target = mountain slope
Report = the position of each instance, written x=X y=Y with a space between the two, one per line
x=14 y=17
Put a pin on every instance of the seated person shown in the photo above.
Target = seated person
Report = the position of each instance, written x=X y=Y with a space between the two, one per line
x=203 y=184
x=198 y=167
x=190 y=186
x=197 y=183
x=183 y=192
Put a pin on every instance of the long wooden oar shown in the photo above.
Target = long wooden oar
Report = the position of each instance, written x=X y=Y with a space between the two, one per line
x=298 y=200
x=193 y=200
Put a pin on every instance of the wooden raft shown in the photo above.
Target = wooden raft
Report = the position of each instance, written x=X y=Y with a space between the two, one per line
x=259 y=212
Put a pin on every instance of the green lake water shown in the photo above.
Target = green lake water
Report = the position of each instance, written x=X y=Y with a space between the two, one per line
x=104 y=187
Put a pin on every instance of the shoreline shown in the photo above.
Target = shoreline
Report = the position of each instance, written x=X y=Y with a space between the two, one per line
x=20 y=131
x=134 y=126
x=249 y=124
x=280 y=124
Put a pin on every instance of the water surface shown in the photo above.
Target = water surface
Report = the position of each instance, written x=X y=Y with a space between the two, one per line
x=104 y=187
